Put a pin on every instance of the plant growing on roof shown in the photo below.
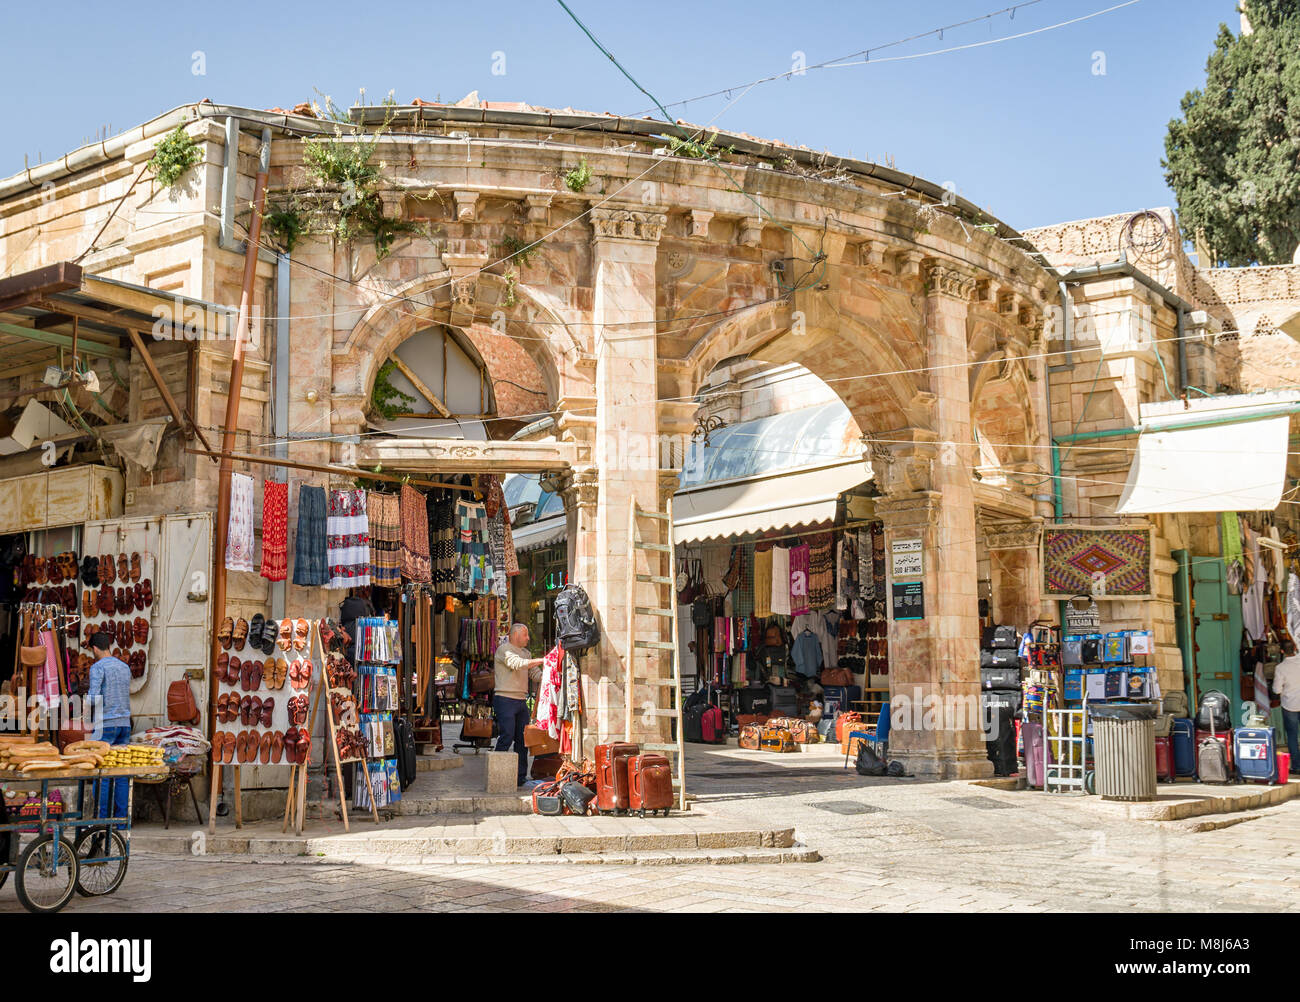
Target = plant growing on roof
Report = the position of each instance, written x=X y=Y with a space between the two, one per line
x=173 y=155
x=706 y=150
x=287 y=224
x=386 y=399
x=518 y=249
x=577 y=179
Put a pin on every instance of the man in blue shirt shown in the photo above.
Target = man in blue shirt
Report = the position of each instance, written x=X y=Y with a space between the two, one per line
x=110 y=694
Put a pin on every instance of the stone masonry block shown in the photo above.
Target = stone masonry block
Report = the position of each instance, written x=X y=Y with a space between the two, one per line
x=502 y=771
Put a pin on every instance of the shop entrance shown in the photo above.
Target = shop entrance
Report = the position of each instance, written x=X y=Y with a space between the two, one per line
x=1216 y=622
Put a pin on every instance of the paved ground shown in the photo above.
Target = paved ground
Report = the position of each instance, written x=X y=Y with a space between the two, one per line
x=887 y=845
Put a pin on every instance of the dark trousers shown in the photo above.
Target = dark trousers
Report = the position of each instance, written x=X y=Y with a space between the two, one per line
x=1291 y=723
x=114 y=789
x=512 y=718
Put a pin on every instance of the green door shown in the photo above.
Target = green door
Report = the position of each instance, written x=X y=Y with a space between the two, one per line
x=1217 y=623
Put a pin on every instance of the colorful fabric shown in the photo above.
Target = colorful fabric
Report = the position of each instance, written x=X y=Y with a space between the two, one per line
x=275 y=530
x=780 y=581
x=821 y=572
x=310 y=560
x=846 y=570
x=494 y=502
x=239 y=536
x=798 y=580
x=744 y=594
x=441 y=512
x=866 y=579
x=548 y=695
x=348 y=540
x=762 y=583
x=473 y=562
x=1113 y=562
x=385 y=527
x=414 y=520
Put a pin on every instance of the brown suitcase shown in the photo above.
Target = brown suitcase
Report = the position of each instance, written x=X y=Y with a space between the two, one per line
x=776 y=739
x=650 y=783
x=802 y=732
x=749 y=736
x=546 y=766
x=611 y=776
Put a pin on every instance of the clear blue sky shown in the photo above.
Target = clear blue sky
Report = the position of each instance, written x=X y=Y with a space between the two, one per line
x=1024 y=128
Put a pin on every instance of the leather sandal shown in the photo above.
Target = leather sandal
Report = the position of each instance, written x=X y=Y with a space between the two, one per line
x=90 y=571
x=326 y=630
x=107 y=569
x=281 y=673
x=123 y=567
x=135 y=567
x=255 y=711
x=138 y=594
x=268 y=711
x=141 y=629
x=39 y=574
x=240 y=633
x=286 y=634
x=241 y=739
x=225 y=633
x=301 y=634
x=255 y=628
x=255 y=675
x=277 y=747
x=107 y=603
x=304 y=747
x=245 y=705
x=246 y=676
x=146 y=592
x=233 y=669
x=291 y=744
x=89 y=602
x=264 y=749
x=270 y=632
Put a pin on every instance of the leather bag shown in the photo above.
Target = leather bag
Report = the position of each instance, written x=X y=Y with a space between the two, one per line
x=181 y=707
x=539 y=742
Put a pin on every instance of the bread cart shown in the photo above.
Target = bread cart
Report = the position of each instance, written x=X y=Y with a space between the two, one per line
x=73 y=850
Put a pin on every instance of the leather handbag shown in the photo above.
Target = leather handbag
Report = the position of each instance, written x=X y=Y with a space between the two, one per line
x=31 y=657
x=702 y=609
x=732 y=578
x=577 y=797
x=836 y=676
x=181 y=707
x=687 y=583
x=478 y=722
x=539 y=742
x=482 y=679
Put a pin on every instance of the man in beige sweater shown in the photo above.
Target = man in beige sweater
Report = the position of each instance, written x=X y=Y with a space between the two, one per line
x=514 y=664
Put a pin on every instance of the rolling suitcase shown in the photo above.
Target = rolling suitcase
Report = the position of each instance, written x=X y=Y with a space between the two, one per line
x=1212 y=760
x=611 y=776
x=846 y=695
x=1007 y=677
x=650 y=784
x=1255 y=750
x=1165 y=760
x=1223 y=737
x=1183 y=736
x=782 y=700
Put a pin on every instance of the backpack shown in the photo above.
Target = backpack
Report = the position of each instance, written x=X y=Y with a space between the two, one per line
x=407 y=763
x=1212 y=713
x=181 y=708
x=1211 y=761
x=575 y=624
x=702 y=612
x=693 y=722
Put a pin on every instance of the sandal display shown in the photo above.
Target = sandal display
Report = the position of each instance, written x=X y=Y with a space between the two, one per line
x=240 y=633
x=224 y=634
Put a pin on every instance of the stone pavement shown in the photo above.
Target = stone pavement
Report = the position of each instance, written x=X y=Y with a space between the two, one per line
x=886 y=845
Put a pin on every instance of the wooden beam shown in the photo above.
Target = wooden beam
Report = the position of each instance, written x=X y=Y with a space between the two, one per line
x=161 y=384
x=341 y=471
x=57 y=277
x=418 y=383
x=64 y=341
x=217 y=321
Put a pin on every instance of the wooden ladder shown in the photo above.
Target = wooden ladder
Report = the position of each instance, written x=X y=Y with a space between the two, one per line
x=665 y=610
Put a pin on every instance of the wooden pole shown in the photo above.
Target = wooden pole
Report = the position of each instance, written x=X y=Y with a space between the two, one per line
x=341 y=471
x=233 y=393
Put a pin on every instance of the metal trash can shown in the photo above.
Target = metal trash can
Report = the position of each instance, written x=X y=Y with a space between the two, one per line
x=1124 y=743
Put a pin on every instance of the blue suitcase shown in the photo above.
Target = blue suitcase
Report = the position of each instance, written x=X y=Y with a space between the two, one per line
x=1254 y=749
x=1183 y=734
x=846 y=694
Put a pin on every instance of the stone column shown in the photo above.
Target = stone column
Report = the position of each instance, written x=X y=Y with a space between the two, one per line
x=1016 y=568
x=625 y=247
x=934 y=661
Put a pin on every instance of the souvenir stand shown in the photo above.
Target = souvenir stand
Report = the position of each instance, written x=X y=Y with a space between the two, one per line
x=379 y=659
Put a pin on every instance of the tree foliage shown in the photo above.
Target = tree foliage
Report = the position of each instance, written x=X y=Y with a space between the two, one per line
x=1232 y=159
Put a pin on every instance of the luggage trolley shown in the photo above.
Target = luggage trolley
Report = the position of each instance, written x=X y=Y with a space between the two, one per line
x=73 y=852
x=1067 y=734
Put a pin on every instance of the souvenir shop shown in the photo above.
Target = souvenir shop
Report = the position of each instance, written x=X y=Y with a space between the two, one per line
x=420 y=573
x=788 y=622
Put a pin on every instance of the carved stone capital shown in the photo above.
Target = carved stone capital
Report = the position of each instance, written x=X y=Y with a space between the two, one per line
x=751 y=231
x=580 y=488
x=700 y=219
x=628 y=224
x=1013 y=535
x=539 y=213
x=668 y=484
x=902 y=461
x=466 y=205
x=909 y=263
x=945 y=280
x=872 y=253
x=909 y=513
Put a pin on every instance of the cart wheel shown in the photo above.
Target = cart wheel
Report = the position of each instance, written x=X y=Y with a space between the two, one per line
x=101 y=861
x=47 y=874
x=1090 y=782
x=641 y=813
x=5 y=861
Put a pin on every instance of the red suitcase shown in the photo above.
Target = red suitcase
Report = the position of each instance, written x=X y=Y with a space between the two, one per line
x=1164 y=760
x=611 y=776
x=650 y=783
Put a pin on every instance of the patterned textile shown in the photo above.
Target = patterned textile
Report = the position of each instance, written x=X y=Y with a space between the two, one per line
x=866 y=580
x=473 y=562
x=442 y=539
x=275 y=530
x=239 y=539
x=780 y=581
x=1082 y=561
x=494 y=501
x=846 y=570
x=496 y=526
x=798 y=581
x=309 y=552
x=548 y=696
x=385 y=529
x=762 y=583
x=744 y=595
x=414 y=520
x=348 y=540
x=821 y=572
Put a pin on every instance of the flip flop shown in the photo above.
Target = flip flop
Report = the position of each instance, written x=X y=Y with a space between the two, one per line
x=240 y=633
x=268 y=710
x=277 y=748
x=241 y=739
x=225 y=632
x=264 y=753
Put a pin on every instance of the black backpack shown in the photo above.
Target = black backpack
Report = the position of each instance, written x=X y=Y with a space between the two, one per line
x=575 y=624
x=1212 y=713
x=407 y=763
x=692 y=722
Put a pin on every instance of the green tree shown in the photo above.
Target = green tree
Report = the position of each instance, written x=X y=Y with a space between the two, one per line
x=1233 y=159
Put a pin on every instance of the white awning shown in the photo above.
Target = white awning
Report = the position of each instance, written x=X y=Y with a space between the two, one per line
x=535 y=535
x=775 y=501
x=1223 y=453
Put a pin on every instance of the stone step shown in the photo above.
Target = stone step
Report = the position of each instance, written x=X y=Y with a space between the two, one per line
x=428 y=759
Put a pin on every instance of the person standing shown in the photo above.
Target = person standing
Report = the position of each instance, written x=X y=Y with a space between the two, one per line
x=514 y=666
x=1286 y=686
x=110 y=692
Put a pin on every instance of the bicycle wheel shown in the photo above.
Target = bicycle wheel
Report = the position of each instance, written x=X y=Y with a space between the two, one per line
x=101 y=861
x=4 y=854
x=47 y=874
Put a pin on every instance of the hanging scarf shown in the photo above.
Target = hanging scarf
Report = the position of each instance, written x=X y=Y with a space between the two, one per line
x=762 y=583
x=495 y=501
x=348 y=540
x=442 y=540
x=798 y=580
x=821 y=572
x=239 y=536
x=384 y=526
x=473 y=564
x=416 y=566
x=780 y=581
x=309 y=553
x=866 y=580
x=275 y=530
x=548 y=696
x=744 y=593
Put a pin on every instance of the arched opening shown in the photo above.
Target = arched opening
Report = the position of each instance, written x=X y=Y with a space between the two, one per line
x=434 y=385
